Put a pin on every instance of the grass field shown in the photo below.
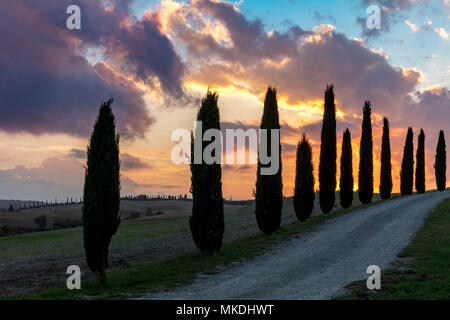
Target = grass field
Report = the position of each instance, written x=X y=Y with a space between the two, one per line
x=422 y=271
x=181 y=269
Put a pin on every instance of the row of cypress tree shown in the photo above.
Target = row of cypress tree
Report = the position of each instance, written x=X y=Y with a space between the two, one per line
x=101 y=194
x=304 y=195
x=207 y=224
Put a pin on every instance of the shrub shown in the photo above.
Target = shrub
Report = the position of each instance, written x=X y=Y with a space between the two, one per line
x=41 y=221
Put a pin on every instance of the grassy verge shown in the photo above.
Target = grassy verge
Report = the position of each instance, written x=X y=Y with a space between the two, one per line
x=144 y=277
x=422 y=271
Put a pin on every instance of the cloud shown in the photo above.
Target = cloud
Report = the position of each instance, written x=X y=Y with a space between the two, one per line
x=321 y=18
x=54 y=178
x=49 y=86
x=428 y=26
x=77 y=154
x=442 y=33
x=129 y=162
x=300 y=63
x=412 y=26
x=427 y=109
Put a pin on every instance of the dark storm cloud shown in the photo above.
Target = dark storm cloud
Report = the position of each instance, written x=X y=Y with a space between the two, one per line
x=48 y=86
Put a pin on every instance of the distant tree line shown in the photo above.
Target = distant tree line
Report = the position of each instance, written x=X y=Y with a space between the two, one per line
x=144 y=197
x=19 y=205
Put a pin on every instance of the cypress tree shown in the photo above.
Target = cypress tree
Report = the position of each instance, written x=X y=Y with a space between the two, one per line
x=327 y=165
x=420 y=163
x=386 y=169
x=365 y=175
x=440 y=164
x=346 y=180
x=407 y=170
x=207 y=220
x=304 y=181
x=269 y=188
x=101 y=197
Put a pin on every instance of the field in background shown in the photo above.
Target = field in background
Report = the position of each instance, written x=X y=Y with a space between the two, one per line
x=33 y=261
x=65 y=216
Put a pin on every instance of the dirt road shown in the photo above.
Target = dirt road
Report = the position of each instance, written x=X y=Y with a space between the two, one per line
x=317 y=265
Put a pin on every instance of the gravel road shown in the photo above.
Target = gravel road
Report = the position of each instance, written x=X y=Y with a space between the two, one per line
x=318 y=264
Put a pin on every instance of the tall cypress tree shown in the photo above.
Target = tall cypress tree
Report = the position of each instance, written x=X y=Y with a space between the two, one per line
x=346 y=180
x=101 y=197
x=207 y=220
x=304 y=181
x=386 y=169
x=440 y=164
x=365 y=175
x=269 y=188
x=420 y=163
x=407 y=171
x=327 y=165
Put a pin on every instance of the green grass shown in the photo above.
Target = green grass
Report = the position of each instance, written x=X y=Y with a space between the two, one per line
x=423 y=269
x=182 y=269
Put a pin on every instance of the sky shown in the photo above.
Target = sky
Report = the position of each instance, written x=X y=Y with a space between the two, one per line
x=158 y=58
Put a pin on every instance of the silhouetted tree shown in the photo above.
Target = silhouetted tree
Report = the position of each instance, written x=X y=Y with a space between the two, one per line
x=386 y=169
x=207 y=221
x=420 y=163
x=346 y=179
x=101 y=196
x=327 y=165
x=365 y=174
x=304 y=181
x=407 y=170
x=440 y=163
x=269 y=188
x=41 y=221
